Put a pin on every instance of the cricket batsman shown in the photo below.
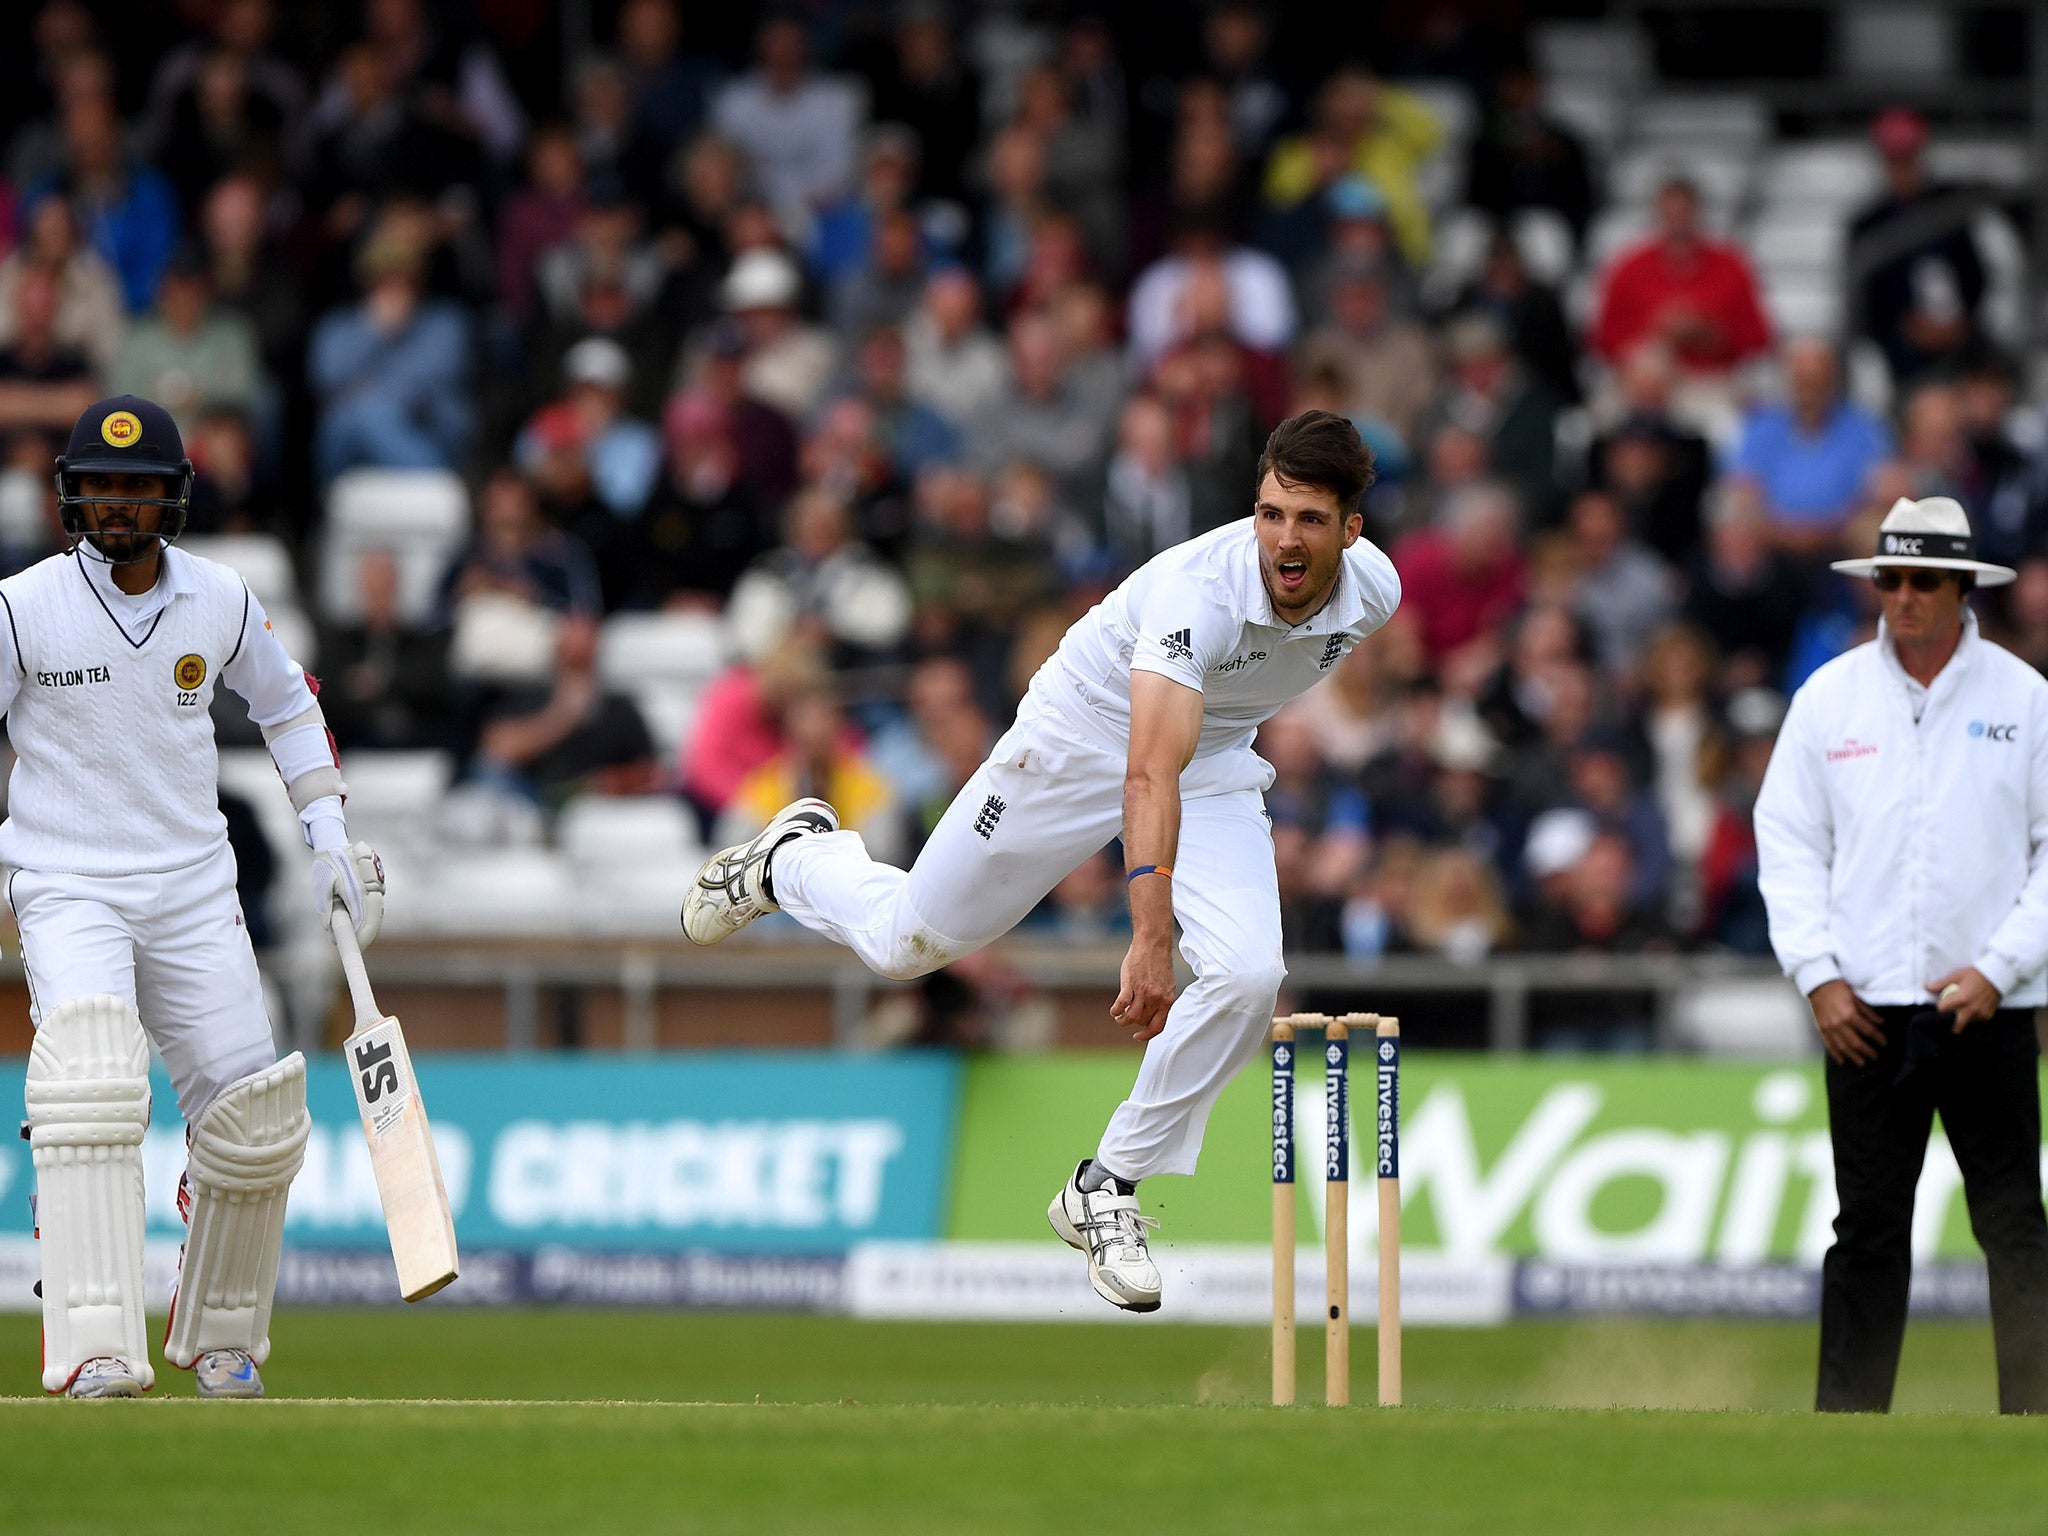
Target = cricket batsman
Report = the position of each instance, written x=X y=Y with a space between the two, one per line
x=117 y=866
x=1141 y=727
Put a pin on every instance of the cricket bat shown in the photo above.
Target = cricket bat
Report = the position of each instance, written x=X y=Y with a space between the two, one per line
x=415 y=1201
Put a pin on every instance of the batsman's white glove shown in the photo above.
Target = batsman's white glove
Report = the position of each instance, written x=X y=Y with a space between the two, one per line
x=353 y=876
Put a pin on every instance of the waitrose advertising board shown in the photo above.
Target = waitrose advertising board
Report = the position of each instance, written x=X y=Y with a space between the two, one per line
x=1670 y=1161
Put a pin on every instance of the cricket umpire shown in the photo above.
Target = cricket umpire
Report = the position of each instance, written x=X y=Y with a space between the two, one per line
x=1902 y=834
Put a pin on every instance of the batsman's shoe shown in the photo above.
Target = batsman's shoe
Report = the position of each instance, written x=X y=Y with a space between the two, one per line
x=1108 y=1227
x=732 y=887
x=104 y=1376
x=226 y=1373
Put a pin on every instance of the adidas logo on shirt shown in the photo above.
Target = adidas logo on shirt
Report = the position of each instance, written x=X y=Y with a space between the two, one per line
x=1179 y=645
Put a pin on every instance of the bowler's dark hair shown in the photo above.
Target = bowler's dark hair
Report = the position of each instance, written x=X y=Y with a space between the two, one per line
x=1320 y=449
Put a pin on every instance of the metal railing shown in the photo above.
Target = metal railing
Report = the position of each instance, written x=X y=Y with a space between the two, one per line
x=640 y=972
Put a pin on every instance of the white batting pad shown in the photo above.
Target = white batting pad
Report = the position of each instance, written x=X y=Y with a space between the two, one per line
x=88 y=1106
x=245 y=1150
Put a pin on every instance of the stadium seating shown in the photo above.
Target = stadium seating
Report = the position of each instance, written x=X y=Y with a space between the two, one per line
x=481 y=893
x=1747 y=1017
x=1821 y=177
x=262 y=561
x=633 y=858
x=421 y=516
x=1730 y=123
x=663 y=661
x=393 y=797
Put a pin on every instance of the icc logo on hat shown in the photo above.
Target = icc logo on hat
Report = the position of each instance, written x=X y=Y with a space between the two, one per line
x=121 y=429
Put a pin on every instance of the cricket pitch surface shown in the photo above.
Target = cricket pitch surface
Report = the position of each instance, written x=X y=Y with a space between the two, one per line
x=441 y=1421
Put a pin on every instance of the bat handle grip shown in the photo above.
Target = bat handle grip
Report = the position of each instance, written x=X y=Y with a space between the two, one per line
x=367 y=1011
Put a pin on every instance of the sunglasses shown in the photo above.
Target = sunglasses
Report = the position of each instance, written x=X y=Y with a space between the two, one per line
x=1923 y=580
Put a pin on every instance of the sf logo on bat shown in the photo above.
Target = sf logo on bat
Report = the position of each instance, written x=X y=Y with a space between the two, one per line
x=378 y=1070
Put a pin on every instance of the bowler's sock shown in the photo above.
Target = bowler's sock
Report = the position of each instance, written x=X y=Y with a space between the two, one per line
x=768 y=866
x=1096 y=1177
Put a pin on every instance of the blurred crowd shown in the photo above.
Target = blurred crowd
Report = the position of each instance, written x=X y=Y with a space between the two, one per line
x=894 y=335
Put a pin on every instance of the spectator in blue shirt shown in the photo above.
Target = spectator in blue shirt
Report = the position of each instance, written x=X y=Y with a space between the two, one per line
x=127 y=211
x=1811 y=455
x=845 y=228
x=391 y=373
x=616 y=457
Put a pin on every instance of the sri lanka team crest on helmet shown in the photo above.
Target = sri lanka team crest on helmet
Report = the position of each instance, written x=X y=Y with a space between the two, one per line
x=190 y=672
x=121 y=429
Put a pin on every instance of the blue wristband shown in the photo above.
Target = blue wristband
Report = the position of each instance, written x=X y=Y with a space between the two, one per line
x=1148 y=869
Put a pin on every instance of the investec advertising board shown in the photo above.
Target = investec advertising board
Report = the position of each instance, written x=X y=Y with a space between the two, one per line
x=916 y=1185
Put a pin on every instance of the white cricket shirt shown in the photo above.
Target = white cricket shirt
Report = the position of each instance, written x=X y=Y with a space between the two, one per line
x=1199 y=613
x=1893 y=849
x=106 y=698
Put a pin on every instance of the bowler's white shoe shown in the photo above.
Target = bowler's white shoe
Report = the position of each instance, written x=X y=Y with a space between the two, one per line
x=226 y=1373
x=731 y=888
x=1109 y=1228
x=104 y=1376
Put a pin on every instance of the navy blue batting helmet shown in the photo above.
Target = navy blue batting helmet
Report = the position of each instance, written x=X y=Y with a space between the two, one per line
x=124 y=435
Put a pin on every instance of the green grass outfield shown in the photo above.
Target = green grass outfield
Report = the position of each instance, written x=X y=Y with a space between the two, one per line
x=445 y=1421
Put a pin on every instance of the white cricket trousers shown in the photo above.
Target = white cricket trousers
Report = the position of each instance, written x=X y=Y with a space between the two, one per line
x=1049 y=796
x=173 y=944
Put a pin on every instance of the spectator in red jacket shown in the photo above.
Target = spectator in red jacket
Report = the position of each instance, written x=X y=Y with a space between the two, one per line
x=1696 y=295
x=1464 y=578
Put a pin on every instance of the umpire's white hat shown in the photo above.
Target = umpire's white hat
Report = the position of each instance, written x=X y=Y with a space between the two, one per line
x=1933 y=532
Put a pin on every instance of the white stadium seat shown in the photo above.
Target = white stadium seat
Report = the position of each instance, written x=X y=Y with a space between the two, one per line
x=664 y=661
x=249 y=773
x=1787 y=243
x=1740 y=123
x=1545 y=242
x=1613 y=232
x=637 y=648
x=397 y=783
x=1457 y=253
x=295 y=631
x=2005 y=269
x=1609 y=53
x=1589 y=108
x=420 y=515
x=611 y=831
x=2001 y=163
x=480 y=892
x=395 y=797
x=1721 y=174
x=634 y=857
x=1839 y=175
x=1763 y=1018
x=262 y=561
x=1805 y=306
x=1441 y=178
x=259 y=559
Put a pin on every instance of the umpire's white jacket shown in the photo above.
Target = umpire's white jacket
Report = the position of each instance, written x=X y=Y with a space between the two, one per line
x=1891 y=850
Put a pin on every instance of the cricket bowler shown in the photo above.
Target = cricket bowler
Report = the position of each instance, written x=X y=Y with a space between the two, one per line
x=117 y=866
x=1140 y=726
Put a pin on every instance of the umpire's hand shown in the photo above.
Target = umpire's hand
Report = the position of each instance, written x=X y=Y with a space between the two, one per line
x=1850 y=1029
x=1966 y=994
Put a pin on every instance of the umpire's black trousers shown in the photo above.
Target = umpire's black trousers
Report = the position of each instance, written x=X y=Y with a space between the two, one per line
x=1985 y=1083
